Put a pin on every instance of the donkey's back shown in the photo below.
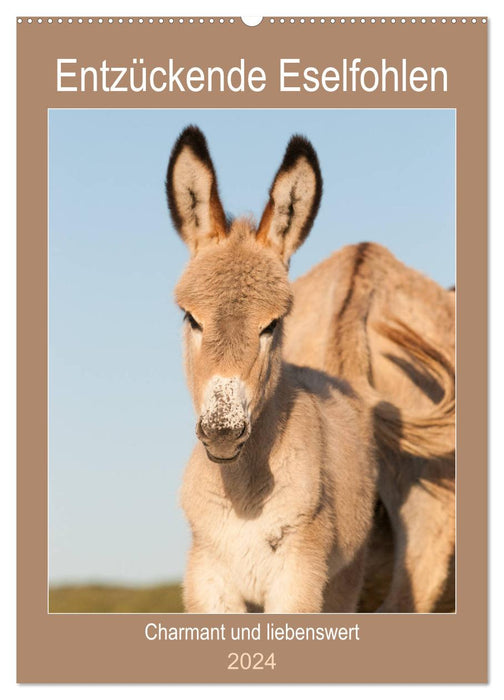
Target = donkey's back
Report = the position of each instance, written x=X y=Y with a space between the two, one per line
x=353 y=290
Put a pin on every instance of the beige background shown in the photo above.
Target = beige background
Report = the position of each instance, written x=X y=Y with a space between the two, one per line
x=113 y=648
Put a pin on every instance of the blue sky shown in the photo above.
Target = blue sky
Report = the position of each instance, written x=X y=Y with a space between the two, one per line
x=121 y=424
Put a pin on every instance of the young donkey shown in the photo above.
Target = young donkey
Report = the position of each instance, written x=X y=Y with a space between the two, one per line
x=280 y=490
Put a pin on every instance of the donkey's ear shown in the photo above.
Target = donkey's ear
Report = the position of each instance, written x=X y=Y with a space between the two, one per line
x=294 y=199
x=191 y=188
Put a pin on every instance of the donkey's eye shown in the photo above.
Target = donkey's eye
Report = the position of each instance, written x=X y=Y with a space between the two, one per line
x=269 y=329
x=192 y=321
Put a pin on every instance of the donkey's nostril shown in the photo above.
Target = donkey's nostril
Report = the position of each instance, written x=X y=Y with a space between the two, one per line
x=200 y=432
x=234 y=433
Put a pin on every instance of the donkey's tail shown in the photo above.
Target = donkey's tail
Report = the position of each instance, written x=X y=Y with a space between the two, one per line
x=430 y=436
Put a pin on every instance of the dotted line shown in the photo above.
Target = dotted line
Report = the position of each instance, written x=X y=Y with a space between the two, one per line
x=232 y=20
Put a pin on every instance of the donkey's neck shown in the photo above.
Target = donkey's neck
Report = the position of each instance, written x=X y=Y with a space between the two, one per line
x=250 y=482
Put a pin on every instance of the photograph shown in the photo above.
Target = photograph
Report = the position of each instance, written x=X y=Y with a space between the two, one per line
x=251 y=360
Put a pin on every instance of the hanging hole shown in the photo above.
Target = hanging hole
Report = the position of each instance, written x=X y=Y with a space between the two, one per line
x=251 y=21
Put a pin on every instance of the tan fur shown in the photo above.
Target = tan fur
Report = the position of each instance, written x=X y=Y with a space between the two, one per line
x=281 y=522
x=406 y=373
x=429 y=436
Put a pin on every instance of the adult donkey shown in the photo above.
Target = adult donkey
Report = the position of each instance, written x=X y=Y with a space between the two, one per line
x=280 y=490
x=333 y=328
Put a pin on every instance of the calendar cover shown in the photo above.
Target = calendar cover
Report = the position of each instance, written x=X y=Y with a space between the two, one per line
x=252 y=349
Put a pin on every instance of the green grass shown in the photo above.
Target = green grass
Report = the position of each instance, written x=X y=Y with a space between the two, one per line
x=115 y=599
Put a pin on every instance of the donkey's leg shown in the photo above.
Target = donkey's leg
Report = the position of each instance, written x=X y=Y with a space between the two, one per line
x=206 y=587
x=296 y=589
x=299 y=574
x=343 y=590
x=424 y=532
